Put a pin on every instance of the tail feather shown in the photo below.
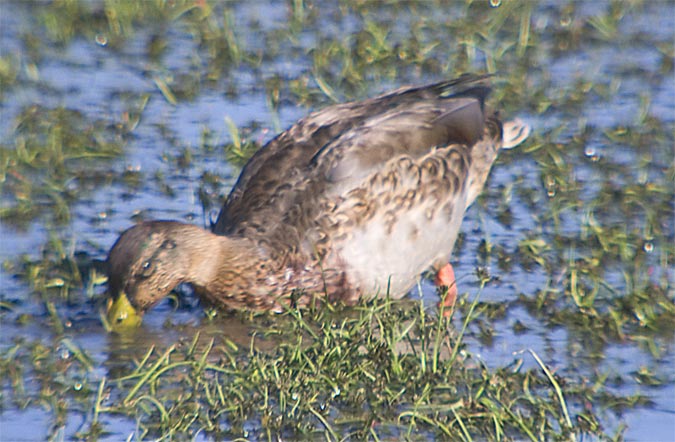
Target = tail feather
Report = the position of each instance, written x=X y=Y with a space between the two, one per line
x=514 y=132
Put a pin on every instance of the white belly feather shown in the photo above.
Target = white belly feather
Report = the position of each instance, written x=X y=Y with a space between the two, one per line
x=380 y=261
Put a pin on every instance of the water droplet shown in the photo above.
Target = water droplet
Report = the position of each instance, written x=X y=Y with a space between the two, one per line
x=550 y=187
x=591 y=153
x=495 y=3
x=649 y=247
x=101 y=40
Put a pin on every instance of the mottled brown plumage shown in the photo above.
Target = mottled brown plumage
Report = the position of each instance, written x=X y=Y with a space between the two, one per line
x=354 y=200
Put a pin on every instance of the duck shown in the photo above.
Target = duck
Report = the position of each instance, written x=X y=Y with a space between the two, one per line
x=352 y=201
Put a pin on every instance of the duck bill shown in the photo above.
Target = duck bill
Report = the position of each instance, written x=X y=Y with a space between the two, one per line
x=121 y=315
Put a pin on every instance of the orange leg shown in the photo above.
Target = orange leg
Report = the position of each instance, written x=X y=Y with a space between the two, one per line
x=446 y=278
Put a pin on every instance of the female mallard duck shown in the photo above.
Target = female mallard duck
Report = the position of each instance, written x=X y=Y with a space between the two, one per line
x=357 y=199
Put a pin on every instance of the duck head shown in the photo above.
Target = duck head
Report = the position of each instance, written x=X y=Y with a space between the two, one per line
x=148 y=261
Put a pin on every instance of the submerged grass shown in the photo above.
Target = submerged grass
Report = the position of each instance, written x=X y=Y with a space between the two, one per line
x=598 y=195
x=357 y=373
x=55 y=155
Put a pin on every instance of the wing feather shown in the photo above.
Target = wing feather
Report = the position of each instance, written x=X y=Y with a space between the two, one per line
x=333 y=150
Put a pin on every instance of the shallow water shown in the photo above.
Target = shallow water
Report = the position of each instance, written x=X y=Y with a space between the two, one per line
x=102 y=83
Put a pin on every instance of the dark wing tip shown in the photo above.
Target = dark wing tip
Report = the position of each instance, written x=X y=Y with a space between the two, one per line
x=466 y=85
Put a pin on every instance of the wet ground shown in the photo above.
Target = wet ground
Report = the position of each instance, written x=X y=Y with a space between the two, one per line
x=110 y=114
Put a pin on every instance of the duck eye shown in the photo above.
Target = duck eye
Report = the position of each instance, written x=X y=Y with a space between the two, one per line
x=147 y=269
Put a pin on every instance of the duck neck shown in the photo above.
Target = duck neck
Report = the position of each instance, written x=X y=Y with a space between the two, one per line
x=233 y=272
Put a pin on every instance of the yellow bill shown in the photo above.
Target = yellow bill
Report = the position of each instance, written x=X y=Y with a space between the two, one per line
x=121 y=315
